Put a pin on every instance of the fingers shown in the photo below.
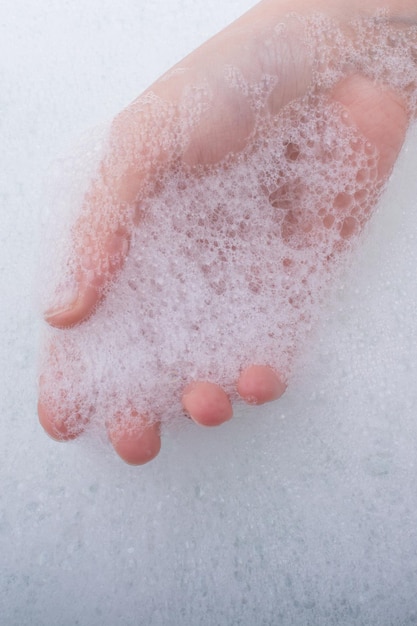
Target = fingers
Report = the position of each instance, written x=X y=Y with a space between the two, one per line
x=65 y=413
x=209 y=405
x=135 y=439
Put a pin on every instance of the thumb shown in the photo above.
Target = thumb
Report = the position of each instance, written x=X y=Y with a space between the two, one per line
x=100 y=237
x=99 y=244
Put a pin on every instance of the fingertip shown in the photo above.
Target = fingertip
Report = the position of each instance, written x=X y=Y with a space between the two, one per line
x=66 y=316
x=59 y=428
x=135 y=440
x=109 y=251
x=259 y=384
x=207 y=404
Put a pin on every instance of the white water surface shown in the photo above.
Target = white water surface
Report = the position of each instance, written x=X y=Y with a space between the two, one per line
x=303 y=512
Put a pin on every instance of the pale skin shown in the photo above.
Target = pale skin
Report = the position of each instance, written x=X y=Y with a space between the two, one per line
x=378 y=112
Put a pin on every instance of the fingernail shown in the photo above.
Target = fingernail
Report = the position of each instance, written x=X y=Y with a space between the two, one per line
x=66 y=302
x=55 y=315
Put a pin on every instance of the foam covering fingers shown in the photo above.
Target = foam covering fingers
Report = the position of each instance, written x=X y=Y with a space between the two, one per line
x=136 y=440
x=105 y=258
x=101 y=234
x=64 y=412
x=100 y=243
x=60 y=426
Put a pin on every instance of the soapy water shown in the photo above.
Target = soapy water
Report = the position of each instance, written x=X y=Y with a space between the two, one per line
x=229 y=263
